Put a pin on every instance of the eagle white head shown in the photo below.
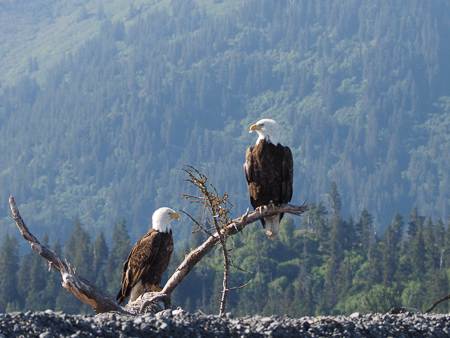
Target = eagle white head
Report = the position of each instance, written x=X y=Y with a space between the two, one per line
x=162 y=217
x=267 y=129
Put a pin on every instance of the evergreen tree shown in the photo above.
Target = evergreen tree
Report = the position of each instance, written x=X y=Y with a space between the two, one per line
x=374 y=257
x=286 y=233
x=414 y=223
x=397 y=227
x=9 y=258
x=445 y=252
x=335 y=260
x=315 y=220
x=364 y=229
x=344 y=279
x=119 y=254
x=389 y=252
x=23 y=279
x=32 y=280
x=77 y=250
x=100 y=253
x=54 y=288
x=349 y=234
x=439 y=235
x=334 y=199
x=431 y=248
x=303 y=295
x=417 y=255
x=79 y=254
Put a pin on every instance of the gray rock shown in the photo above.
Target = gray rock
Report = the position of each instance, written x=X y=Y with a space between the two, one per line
x=182 y=323
x=177 y=312
x=46 y=335
x=266 y=320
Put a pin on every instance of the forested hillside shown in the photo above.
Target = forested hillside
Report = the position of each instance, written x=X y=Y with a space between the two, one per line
x=359 y=87
x=35 y=34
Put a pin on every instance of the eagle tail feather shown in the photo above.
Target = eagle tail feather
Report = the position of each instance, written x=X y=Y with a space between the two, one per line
x=272 y=225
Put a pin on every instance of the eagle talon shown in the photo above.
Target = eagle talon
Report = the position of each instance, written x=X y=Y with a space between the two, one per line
x=261 y=208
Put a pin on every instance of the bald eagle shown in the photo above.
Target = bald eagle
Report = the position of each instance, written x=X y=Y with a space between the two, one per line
x=269 y=171
x=149 y=258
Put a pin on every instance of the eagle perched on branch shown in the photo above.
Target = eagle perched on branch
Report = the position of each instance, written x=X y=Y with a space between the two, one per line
x=149 y=258
x=269 y=170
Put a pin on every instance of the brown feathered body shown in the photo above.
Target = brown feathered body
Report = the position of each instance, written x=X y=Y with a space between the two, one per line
x=146 y=263
x=269 y=173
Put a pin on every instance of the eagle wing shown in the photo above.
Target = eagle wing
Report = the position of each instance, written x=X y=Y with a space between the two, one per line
x=248 y=165
x=287 y=176
x=139 y=261
x=250 y=176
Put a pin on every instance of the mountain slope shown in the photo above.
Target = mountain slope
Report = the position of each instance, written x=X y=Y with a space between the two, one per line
x=360 y=89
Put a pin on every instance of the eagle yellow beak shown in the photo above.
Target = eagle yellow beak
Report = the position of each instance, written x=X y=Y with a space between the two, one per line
x=256 y=127
x=175 y=215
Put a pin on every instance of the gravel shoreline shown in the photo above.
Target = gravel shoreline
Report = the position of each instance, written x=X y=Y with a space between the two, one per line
x=179 y=323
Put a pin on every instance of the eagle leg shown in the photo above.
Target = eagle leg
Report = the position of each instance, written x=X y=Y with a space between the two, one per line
x=153 y=288
x=261 y=208
x=271 y=205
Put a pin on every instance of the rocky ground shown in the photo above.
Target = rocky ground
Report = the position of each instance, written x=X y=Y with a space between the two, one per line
x=178 y=323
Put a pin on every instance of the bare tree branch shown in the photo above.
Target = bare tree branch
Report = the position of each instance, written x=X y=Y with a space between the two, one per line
x=437 y=303
x=241 y=287
x=76 y=284
x=226 y=272
x=233 y=228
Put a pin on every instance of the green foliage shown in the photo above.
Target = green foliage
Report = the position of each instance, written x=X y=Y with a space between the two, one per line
x=78 y=250
x=380 y=299
x=100 y=255
x=119 y=254
x=9 y=264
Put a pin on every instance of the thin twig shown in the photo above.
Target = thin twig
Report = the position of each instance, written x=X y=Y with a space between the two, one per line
x=242 y=286
x=200 y=227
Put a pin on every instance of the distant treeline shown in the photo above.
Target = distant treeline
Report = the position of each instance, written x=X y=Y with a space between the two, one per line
x=326 y=265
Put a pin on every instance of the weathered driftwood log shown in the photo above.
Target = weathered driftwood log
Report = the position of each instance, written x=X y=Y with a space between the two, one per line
x=76 y=284
x=91 y=295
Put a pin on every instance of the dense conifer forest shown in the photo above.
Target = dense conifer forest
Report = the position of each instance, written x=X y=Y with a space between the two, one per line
x=359 y=87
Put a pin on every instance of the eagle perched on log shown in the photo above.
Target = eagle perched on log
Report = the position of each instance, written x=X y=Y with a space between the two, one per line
x=269 y=170
x=149 y=258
